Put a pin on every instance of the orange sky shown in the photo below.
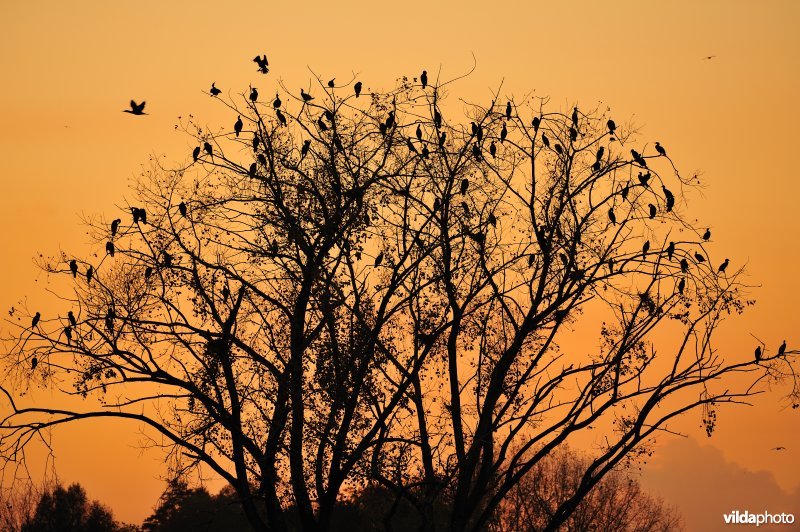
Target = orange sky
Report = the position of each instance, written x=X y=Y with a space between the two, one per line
x=67 y=69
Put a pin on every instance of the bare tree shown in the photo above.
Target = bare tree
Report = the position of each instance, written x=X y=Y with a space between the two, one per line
x=348 y=287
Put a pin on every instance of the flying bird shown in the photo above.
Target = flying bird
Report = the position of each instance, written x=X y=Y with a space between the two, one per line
x=357 y=88
x=136 y=108
x=237 y=127
x=73 y=267
x=263 y=64
x=779 y=448
x=423 y=78
x=214 y=90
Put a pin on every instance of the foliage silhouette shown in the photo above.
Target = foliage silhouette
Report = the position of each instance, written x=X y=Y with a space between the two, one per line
x=348 y=291
x=69 y=510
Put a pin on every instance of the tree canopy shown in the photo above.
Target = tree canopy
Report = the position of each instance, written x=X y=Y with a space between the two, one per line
x=349 y=287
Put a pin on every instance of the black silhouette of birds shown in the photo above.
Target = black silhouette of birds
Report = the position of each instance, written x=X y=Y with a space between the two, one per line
x=410 y=146
x=110 y=248
x=276 y=103
x=182 y=209
x=464 y=185
x=670 y=250
x=638 y=159
x=612 y=127
x=503 y=133
x=424 y=153
x=237 y=127
x=379 y=259
x=573 y=134
x=779 y=447
x=645 y=248
x=305 y=96
x=35 y=320
x=148 y=272
x=214 y=90
x=263 y=64
x=758 y=354
x=700 y=258
x=68 y=333
x=476 y=152
x=419 y=133
x=624 y=191
x=575 y=117
x=115 y=227
x=782 y=348
x=208 y=148
x=34 y=362
x=196 y=153
x=684 y=265
x=437 y=204
x=256 y=141
x=337 y=141
x=660 y=149
x=474 y=127
x=423 y=78
x=110 y=316
x=723 y=266
x=508 y=110
x=226 y=293
x=322 y=125
x=136 y=108
x=669 y=198
x=71 y=318
x=167 y=258
x=357 y=88
x=644 y=178
x=612 y=216
x=681 y=285
x=442 y=139
x=252 y=171
x=89 y=274
x=492 y=149
x=600 y=152
x=559 y=149
x=437 y=118
x=653 y=210
x=492 y=219
x=535 y=123
x=305 y=148
x=545 y=141
x=281 y=118
x=253 y=94
x=73 y=267
x=707 y=234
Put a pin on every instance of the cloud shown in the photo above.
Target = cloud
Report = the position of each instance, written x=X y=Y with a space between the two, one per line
x=704 y=486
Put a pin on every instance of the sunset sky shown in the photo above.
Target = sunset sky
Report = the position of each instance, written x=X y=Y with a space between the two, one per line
x=68 y=69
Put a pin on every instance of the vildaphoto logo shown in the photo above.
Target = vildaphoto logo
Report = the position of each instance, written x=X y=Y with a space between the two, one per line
x=764 y=518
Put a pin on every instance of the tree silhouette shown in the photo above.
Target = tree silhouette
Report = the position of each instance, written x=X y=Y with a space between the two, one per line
x=354 y=290
x=183 y=508
x=69 y=510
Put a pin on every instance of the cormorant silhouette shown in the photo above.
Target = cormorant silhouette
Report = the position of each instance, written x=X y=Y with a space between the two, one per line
x=252 y=171
x=559 y=149
x=226 y=293
x=115 y=227
x=419 y=133
x=167 y=258
x=424 y=153
x=492 y=149
x=357 y=88
x=624 y=191
x=681 y=285
x=638 y=159
x=600 y=152
x=669 y=197
x=476 y=152
x=256 y=141
x=442 y=139
x=758 y=354
x=684 y=265
x=110 y=248
x=304 y=149
x=535 y=123
x=332 y=83
x=71 y=318
x=782 y=348
x=474 y=127
x=437 y=204
x=214 y=90
x=182 y=209
x=573 y=134
x=110 y=316
x=237 y=127
x=612 y=127
x=253 y=94
x=73 y=267
x=136 y=108
x=68 y=333
x=379 y=259
x=35 y=320
x=508 y=109
x=423 y=78
x=34 y=362
x=263 y=64
x=503 y=133
x=276 y=103
x=723 y=266
x=660 y=149
x=545 y=141
x=464 y=185
x=322 y=125
x=281 y=118
x=653 y=210
x=699 y=257
x=89 y=274
x=195 y=153
x=644 y=178
x=575 y=117
x=492 y=220
x=670 y=250
x=208 y=148
x=437 y=118
x=707 y=234
x=645 y=248
x=305 y=96
x=328 y=115
x=612 y=216
x=148 y=272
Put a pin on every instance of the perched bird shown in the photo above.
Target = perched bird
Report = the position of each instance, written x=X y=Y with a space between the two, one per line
x=442 y=139
x=167 y=258
x=419 y=133
x=423 y=78
x=115 y=227
x=305 y=96
x=638 y=159
x=276 y=103
x=758 y=354
x=575 y=116
x=89 y=274
x=612 y=127
x=253 y=94
x=148 y=272
x=263 y=64
x=684 y=265
x=110 y=248
x=545 y=141
x=669 y=198
x=73 y=267
x=573 y=134
x=464 y=185
x=410 y=146
x=612 y=216
x=645 y=248
x=332 y=83
x=681 y=285
x=35 y=320
x=256 y=141
x=559 y=149
x=644 y=178
x=337 y=141
x=508 y=110
x=653 y=210
x=328 y=115
x=492 y=220
x=660 y=149
x=71 y=318
x=670 y=250
x=305 y=148
x=226 y=293
x=68 y=333
x=136 y=108
x=624 y=191
x=476 y=152
x=357 y=88
x=474 y=127
x=237 y=127
x=535 y=123
x=281 y=118
x=437 y=118
x=322 y=125
x=252 y=171
x=699 y=257
x=782 y=348
x=214 y=90
x=723 y=266
x=600 y=152
x=707 y=234
x=379 y=259
x=182 y=209
x=503 y=133
x=208 y=148
x=34 y=362
x=492 y=149
x=196 y=153
x=437 y=204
